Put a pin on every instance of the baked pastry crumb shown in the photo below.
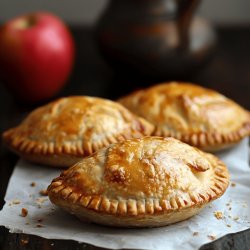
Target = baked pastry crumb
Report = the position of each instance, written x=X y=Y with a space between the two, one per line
x=15 y=202
x=32 y=184
x=236 y=218
x=212 y=237
x=233 y=184
x=39 y=201
x=43 y=192
x=24 y=241
x=218 y=215
x=24 y=212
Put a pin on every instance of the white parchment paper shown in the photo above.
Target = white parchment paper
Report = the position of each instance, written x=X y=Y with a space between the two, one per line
x=45 y=220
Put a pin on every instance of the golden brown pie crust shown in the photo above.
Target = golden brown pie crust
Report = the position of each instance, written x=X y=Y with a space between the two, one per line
x=62 y=132
x=193 y=114
x=146 y=182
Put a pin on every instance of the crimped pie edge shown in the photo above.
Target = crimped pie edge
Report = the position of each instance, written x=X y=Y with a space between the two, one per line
x=25 y=145
x=209 y=141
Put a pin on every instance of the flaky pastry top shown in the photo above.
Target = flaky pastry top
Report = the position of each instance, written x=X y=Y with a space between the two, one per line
x=75 y=125
x=146 y=168
x=187 y=108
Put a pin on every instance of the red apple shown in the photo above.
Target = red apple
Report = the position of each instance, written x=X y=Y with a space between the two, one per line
x=36 y=56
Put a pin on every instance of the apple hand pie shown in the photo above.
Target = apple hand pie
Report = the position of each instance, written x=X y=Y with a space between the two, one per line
x=145 y=182
x=190 y=113
x=62 y=132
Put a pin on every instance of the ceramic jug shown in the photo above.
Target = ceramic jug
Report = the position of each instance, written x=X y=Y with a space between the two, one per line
x=160 y=39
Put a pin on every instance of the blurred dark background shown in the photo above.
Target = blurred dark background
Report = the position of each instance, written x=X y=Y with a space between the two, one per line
x=82 y=12
x=227 y=71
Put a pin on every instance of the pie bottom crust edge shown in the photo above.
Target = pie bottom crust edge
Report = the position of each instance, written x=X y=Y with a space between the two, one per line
x=137 y=213
x=141 y=221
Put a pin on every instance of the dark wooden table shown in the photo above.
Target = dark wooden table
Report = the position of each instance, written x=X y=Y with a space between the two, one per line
x=228 y=72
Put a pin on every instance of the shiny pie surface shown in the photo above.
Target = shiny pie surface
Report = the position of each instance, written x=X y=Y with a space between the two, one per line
x=74 y=126
x=193 y=114
x=146 y=182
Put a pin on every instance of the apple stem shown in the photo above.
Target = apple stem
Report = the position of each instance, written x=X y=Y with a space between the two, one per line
x=26 y=23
